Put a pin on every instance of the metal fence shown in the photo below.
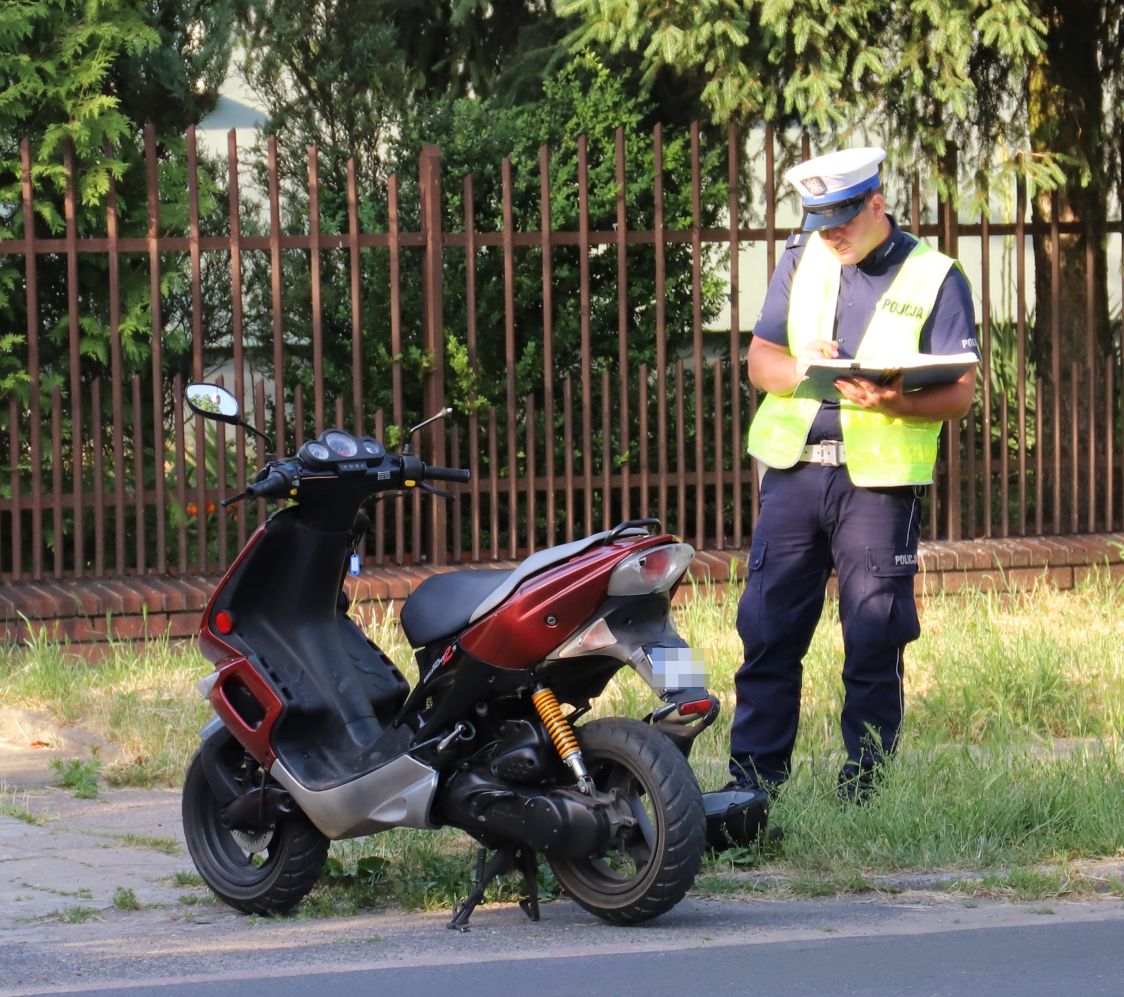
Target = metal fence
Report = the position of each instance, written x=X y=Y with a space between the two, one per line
x=105 y=477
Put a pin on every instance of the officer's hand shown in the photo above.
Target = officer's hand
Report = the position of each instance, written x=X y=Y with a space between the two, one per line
x=885 y=398
x=813 y=350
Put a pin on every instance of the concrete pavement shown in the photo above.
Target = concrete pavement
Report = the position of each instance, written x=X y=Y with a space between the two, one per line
x=61 y=856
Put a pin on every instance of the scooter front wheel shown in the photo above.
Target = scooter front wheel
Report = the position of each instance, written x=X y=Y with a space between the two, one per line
x=652 y=862
x=266 y=872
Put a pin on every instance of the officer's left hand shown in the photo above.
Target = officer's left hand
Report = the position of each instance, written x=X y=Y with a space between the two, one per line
x=885 y=398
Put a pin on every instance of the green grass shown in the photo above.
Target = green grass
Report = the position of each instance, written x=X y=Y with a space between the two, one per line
x=140 y=697
x=1011 y=754
x=125 y=899
x=199 y=900
x=955 y=808
x=14 y=803
x=78 y=775
x=82 y=893
x=74 y=915
x=10 y=810
x=1011 y=751
x=169 y=846
x=1029 y=884
x=185 y=879
x=414 y=870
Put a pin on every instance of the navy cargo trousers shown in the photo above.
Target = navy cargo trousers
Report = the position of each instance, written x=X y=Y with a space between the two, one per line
x=813 y=519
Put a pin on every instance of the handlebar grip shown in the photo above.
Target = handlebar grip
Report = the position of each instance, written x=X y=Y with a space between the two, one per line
x=276 y=483
x=458 y=474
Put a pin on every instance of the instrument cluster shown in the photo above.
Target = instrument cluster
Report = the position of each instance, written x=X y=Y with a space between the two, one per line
x=338 y=448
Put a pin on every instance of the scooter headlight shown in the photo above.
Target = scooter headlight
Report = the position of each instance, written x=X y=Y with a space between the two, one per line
x=655 y=569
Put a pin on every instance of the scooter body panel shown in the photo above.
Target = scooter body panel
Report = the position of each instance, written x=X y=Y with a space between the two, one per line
x=399 y=794
x=548 y=608
x=298 y=680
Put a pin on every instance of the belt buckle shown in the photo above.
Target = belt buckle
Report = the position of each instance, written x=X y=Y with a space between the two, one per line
x=831 y=453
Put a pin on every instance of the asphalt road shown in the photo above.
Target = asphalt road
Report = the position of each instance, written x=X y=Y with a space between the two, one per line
x=1027 y=961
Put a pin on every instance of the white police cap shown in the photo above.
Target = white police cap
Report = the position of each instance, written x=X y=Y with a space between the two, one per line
x=833 y=188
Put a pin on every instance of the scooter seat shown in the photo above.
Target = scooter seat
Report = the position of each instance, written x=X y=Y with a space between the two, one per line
x=444 y=604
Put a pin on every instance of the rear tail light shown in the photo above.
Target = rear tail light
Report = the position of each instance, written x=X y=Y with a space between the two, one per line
x=695 y=706
x=653 y=570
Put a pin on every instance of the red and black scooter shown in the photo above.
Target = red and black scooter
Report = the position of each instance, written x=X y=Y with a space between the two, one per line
x=319 y=737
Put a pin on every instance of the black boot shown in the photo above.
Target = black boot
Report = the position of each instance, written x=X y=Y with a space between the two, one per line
x=736 y=815
x=856 y=783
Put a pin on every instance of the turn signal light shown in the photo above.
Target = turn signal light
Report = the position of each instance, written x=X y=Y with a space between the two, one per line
x=653 y=570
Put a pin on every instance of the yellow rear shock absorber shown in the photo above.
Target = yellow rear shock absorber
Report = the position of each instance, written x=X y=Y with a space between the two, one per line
x=562 y=734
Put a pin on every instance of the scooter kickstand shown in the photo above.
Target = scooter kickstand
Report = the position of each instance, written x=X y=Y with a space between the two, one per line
x=503 y=861
x=529 y=863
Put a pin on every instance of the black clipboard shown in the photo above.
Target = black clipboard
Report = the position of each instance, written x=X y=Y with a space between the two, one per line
x=919 y=370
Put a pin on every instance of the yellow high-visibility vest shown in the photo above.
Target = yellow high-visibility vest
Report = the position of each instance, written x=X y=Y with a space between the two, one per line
x=881 y=450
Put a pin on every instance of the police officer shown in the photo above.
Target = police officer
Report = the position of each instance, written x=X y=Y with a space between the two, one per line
x=842 y=480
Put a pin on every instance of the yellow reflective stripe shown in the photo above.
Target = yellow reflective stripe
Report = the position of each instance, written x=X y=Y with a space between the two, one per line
x=882 y=450
x=778 y=422
x=900 y=313
x=813 y=296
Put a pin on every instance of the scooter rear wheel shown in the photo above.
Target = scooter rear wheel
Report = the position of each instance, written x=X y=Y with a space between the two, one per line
x=258 y=873
x=650 y=866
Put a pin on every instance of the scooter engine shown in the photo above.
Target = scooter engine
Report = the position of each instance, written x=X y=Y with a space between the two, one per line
x=506 y=793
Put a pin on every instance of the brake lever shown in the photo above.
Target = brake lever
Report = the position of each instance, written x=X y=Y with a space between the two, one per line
x=242 y=496
x=426 y=487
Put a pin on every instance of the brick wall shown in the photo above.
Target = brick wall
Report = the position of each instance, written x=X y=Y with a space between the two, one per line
x=90 y=611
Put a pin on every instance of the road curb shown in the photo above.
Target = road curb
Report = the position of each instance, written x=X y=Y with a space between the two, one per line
x=1104 y=876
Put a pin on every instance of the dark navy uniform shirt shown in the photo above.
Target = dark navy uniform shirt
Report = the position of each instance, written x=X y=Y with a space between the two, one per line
x=950 y=327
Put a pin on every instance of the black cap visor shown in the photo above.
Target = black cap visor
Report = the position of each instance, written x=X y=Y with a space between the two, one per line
x=834 y=215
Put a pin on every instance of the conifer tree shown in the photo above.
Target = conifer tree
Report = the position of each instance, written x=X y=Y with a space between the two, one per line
x=90 y=74
x=967 y=91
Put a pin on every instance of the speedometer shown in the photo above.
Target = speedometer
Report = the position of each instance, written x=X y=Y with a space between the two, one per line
x=341 y=444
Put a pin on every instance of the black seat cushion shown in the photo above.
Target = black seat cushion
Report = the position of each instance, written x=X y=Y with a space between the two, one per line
x=443 y=604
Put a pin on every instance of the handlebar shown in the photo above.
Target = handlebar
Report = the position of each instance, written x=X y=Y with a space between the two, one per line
x=277 y=480
x=417 y=471
x=459 y=474
x=276 y=483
